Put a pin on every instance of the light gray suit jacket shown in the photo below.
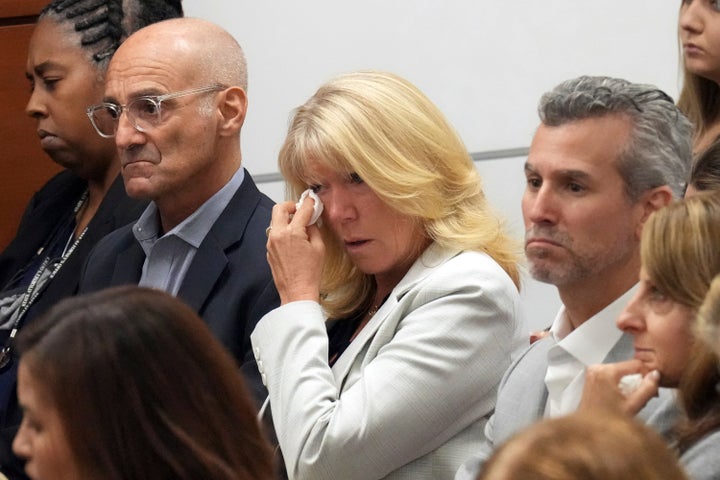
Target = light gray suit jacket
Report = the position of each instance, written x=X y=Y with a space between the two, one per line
x=522 y=398
x=410 y=396
x=702 y=460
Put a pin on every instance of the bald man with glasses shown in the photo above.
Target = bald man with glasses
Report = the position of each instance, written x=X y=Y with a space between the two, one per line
x=175 y=114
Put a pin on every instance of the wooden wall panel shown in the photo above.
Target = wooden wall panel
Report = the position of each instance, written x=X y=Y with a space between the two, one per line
x=24 y=167
x=10 y=9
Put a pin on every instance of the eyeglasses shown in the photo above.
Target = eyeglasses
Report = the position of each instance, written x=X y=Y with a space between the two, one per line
x=144 y=113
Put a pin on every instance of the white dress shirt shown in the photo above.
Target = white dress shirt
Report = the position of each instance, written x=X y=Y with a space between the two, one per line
x=576 y=350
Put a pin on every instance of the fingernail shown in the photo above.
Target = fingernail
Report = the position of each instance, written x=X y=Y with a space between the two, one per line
x=655 y=375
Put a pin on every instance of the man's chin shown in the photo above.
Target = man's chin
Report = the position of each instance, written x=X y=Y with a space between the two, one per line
x=138 y=188
x=547 y=273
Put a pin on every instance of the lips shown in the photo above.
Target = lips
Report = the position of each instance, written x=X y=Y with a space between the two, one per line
x=540 y=241
x=355 y=244
x=643 y=354
x=48 y=141
x=691 y=49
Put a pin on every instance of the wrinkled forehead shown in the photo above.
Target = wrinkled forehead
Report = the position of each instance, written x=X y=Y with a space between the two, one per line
x=147 y=73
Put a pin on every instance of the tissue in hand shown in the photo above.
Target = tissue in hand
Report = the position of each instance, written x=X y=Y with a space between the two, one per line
x=317 y=208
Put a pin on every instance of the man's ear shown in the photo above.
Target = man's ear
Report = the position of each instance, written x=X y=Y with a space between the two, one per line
x=233 y=106
x=651 y=201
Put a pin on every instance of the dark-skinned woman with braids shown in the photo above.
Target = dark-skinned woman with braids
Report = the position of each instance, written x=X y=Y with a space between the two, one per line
x=69 y=51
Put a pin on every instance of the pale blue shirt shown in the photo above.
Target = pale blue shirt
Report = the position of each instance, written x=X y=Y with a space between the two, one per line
x=168 y=258
x=589 y=344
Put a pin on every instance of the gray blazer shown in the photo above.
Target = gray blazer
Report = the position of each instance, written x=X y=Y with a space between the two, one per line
x=523 y=395
x=702 y=460
x=410 y=396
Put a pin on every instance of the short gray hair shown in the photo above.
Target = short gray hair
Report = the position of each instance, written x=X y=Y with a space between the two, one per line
x=660 y=148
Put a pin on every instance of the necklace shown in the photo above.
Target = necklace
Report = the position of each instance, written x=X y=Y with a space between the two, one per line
x=40 y=280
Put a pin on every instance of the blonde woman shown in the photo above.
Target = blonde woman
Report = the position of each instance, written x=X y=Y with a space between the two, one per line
x=415 y=275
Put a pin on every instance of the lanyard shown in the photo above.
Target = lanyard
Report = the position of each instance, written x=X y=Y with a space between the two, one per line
x=37 y=286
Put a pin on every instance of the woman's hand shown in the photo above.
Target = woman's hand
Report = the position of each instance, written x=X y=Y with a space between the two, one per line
x=295 y=252
x=602 y=391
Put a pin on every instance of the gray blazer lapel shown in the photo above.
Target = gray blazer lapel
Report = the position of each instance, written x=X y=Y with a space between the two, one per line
x=523 y=395
x=622 y=350
x=342 y=366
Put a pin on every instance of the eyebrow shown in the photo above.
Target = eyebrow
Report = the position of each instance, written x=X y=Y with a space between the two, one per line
x=44 y=67
x=150 y=92
x=567 y=173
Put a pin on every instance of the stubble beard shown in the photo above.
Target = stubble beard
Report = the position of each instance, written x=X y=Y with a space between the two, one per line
x=572 y=266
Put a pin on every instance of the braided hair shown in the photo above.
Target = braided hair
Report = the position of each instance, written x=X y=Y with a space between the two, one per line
x=104 y=24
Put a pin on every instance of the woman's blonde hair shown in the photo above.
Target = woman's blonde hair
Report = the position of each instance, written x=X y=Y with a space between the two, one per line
x=679 y=253
x=708 y=317
x=382 y=128
x=679 y=247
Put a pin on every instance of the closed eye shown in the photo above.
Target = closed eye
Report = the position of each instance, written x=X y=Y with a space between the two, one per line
x=50 y=82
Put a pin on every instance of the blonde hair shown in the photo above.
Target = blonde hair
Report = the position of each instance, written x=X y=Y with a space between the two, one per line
x=382 y=128
x=708 y=317
x=679 y=247
x=585 y=446
x=679 y=253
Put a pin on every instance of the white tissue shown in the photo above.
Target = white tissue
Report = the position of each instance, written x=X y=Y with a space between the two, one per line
x=630 y=383
x=317 y=208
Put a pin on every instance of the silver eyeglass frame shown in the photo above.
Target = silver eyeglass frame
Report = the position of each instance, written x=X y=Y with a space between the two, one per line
x=156 y=100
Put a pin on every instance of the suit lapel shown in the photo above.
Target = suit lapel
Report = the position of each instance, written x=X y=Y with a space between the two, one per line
x=342 y=366
x=431 y=258
x=205 y=269
x=211 y=259
x=622 y=350
x=128 y=265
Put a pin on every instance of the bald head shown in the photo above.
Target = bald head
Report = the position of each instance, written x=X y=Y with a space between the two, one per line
x=203 y=51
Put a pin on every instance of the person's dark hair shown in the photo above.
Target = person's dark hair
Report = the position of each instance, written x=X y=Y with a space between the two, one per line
x=104 y=24
x=705 y=173
x=659 y=151
x=144 y=389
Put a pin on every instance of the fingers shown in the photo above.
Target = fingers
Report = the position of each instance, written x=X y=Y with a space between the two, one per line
x=603 y=387
x=285 y=215
x=628 y=367
x=647 y=389
x=303 y=215
x=295 y=253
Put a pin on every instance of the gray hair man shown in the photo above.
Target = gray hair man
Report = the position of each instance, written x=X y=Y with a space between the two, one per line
x=606 y=155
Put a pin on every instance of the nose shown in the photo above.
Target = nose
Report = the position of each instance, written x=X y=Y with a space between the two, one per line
x=339 y=205
x=632 y=318
x=36 y=107
x=126 y=135
x=690 y=18
x=539 y=206
x=21 y=444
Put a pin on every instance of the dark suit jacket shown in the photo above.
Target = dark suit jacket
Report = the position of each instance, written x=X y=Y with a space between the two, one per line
x=229 y=282
x=58 y=196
